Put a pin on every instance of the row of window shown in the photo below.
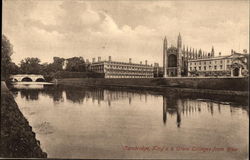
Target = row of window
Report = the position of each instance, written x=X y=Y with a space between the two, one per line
x=128 y=67
x=119 y=67
x=128 y=76
x=210 y=67
x=125 y=72
x=209 y=62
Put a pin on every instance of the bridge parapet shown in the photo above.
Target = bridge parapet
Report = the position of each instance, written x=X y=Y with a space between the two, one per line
x=27 y=77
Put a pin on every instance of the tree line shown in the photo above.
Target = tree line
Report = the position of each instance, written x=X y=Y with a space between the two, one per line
x=33 y=65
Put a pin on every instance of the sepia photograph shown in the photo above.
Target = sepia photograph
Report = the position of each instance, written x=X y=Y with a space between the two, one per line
x=125 y=79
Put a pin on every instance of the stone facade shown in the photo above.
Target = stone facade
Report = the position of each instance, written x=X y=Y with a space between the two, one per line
x=112 y=69
x=181 y=62
x=234 y=65
x=174 y=59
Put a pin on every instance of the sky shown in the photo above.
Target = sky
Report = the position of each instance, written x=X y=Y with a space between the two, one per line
x=122 y=29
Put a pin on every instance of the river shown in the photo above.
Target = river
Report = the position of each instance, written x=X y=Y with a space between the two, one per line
x=75 y=122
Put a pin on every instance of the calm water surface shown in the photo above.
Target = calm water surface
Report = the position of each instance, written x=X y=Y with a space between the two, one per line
x=101 y=123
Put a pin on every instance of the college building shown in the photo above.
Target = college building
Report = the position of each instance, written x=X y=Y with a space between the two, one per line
x=181 y=62
x=113 y=69
x=234 y=65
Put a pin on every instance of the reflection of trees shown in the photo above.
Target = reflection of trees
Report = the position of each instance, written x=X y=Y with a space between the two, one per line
x=29 y=94
x=54 y=92
x=33 y=94
x=76 y=96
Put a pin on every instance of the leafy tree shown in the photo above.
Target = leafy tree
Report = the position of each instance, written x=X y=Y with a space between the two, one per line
x=58 y=63
x=31 y=65
x=13 y=68
x=6 y=52
x=75 y=64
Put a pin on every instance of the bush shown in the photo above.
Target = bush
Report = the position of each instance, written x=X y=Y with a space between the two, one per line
x=68 y=74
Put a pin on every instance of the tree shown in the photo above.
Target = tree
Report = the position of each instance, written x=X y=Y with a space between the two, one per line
x=31 y=66
x=6 y=52
x=58 y=63
x=13 y=68
x=76 y=64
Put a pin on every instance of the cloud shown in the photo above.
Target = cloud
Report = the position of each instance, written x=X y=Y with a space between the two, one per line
x=122 y=29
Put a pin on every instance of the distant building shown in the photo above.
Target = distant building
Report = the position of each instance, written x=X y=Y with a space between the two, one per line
x=232 y=65
x=113 y=69
x=158 y=71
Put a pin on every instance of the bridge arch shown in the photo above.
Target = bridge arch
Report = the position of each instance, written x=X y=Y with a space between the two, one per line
x=27 y=79
x=40 y=80
x=13 y=80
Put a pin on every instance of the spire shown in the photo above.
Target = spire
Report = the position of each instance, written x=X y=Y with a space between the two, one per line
x=165 y=43
x=199 y=54
x=193 y=53
x=179 y=41
x=184 y=52
x=196 y=54
x=212 y=51
x=190 y=53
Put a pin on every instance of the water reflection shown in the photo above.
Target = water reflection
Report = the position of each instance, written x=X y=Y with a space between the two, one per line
x=179 y=107
x=81 y=118
x=173 y=105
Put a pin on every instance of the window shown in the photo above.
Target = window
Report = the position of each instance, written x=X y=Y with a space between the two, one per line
x=228 y=61
x=220 y=66
x=215 y=67
x=204 y=67
x=199 y=63
x=210 y=62
x=190 y=68
x=194 y=63
x=194 y=68
x=221 y=61
x=215 y=62
x=199 y=67
x=204 y=62
x=190 y=63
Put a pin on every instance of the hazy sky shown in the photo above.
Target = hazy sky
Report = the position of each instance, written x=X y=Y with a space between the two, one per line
x=123 y=29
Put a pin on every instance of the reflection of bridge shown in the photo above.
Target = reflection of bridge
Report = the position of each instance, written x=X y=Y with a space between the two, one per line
x=27 y=78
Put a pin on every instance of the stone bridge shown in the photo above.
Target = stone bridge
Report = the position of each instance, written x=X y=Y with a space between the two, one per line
x=27 y=78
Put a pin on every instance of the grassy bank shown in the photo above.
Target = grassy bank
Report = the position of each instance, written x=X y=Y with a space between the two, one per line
x=213 y=85
x=17 y=138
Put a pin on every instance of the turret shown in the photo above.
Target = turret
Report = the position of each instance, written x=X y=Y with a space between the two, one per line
x=179 y=55
x=165 y=61
x=212 y=51
x=184 y=52
x=196 y=54
x=193 y=53
x=179 y=42
x=190 y=53
x=199 y=53
x=165 y=43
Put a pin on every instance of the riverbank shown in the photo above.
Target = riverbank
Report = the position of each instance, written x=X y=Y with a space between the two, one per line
x=17 y=138
x=212 y=86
